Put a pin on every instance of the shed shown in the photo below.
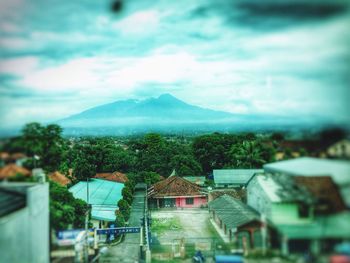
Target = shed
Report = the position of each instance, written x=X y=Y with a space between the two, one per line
x=236 y=219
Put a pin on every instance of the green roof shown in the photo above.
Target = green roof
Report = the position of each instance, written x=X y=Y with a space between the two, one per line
x=334 y=226
x=233 y=212
x=234 y=176
x=103 y=197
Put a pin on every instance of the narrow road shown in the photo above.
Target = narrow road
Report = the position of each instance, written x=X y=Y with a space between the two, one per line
x=128 y=251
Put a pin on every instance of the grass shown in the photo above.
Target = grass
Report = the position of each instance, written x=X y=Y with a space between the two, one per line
x=160 y=225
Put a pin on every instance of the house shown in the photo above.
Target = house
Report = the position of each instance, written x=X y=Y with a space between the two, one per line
x=102 y=195
x=59 y=178
x=239 y=222
x=235 y=178
x=340 y=150
x=280 y=199
x=114 y=177
x=199 y=180
x=11 y=170
x=24 y=222
x=305 y=211
x=175 y=191
x=338 y=170
x=16 y=158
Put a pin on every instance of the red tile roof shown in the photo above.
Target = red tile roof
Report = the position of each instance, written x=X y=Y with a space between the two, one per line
x=115 y=177
x=11 y=170
x=175 y=186
x=59 y=178
x=4 y=155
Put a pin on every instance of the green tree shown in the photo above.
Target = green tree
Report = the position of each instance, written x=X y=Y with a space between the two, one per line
x=149 y=177
x=250 y=154
x=83 y=169
x=212 y=151
x=119 y=220
x=52 y=147
x=65 y=210
x=185 y=165
x=124 y=208
x=127 y=194
x=32 y=138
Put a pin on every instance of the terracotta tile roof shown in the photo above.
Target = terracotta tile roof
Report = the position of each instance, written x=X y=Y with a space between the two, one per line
x=323 y=188
x=114 y=177
x=16 y=156
x=11 y=170
x=12 y=157
x=4 y=155
x=59 y=178
x=175 y=186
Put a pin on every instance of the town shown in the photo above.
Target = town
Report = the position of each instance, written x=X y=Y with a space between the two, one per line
x=215 y=197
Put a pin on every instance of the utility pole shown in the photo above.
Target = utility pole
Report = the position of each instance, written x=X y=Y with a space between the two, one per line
x=86 y=250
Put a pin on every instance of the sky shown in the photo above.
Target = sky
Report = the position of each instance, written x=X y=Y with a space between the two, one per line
x=286 y=57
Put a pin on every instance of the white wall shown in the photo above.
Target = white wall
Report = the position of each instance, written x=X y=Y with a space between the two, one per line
x=257 y=198
x=24 y=234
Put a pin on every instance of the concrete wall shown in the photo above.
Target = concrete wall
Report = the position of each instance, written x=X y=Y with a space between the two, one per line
x=257 y=198
x=197 y=202
x=24 y=234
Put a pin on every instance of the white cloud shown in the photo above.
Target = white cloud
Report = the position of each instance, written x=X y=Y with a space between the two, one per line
x=13 y=43
x=9 y=27
x=143 y=22
x=19 y=66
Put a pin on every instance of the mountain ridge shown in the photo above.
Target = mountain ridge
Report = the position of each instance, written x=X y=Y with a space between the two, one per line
x=164 y=107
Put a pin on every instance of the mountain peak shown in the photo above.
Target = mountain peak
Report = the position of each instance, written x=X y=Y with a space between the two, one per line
x=167 y=96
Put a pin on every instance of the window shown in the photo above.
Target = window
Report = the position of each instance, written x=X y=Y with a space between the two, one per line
x=303 y=211
x=189 y=201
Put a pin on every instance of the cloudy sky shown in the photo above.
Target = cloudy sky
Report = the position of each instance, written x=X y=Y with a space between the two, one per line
x=288 y=57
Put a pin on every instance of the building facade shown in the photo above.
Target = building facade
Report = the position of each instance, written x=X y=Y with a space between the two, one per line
x=24 y=222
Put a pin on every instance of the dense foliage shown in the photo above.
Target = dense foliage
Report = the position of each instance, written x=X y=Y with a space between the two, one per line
x=145 y=159
x=65 y=210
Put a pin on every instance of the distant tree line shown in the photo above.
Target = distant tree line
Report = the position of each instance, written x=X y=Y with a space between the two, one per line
x=148 y=157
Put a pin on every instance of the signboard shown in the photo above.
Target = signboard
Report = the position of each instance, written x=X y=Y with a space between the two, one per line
x=69 y=234
x=68 y=237
x=118 y=230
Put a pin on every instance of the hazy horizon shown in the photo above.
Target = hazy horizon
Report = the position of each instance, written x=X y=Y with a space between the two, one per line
x=243 y=57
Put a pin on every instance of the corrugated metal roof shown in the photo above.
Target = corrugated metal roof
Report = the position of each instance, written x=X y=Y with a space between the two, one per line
x=103 y=196
x=283 y=188
x=307 y=166
x=233 y=212
x=234 y=176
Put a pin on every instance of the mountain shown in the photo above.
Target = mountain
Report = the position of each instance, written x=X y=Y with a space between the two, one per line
x=169 y=114
x=164 y=109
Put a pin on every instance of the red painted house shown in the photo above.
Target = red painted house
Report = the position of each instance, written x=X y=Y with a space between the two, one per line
x=175 y=191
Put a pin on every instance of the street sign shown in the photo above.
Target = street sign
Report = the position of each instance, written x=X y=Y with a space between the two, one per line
x=118 y=230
